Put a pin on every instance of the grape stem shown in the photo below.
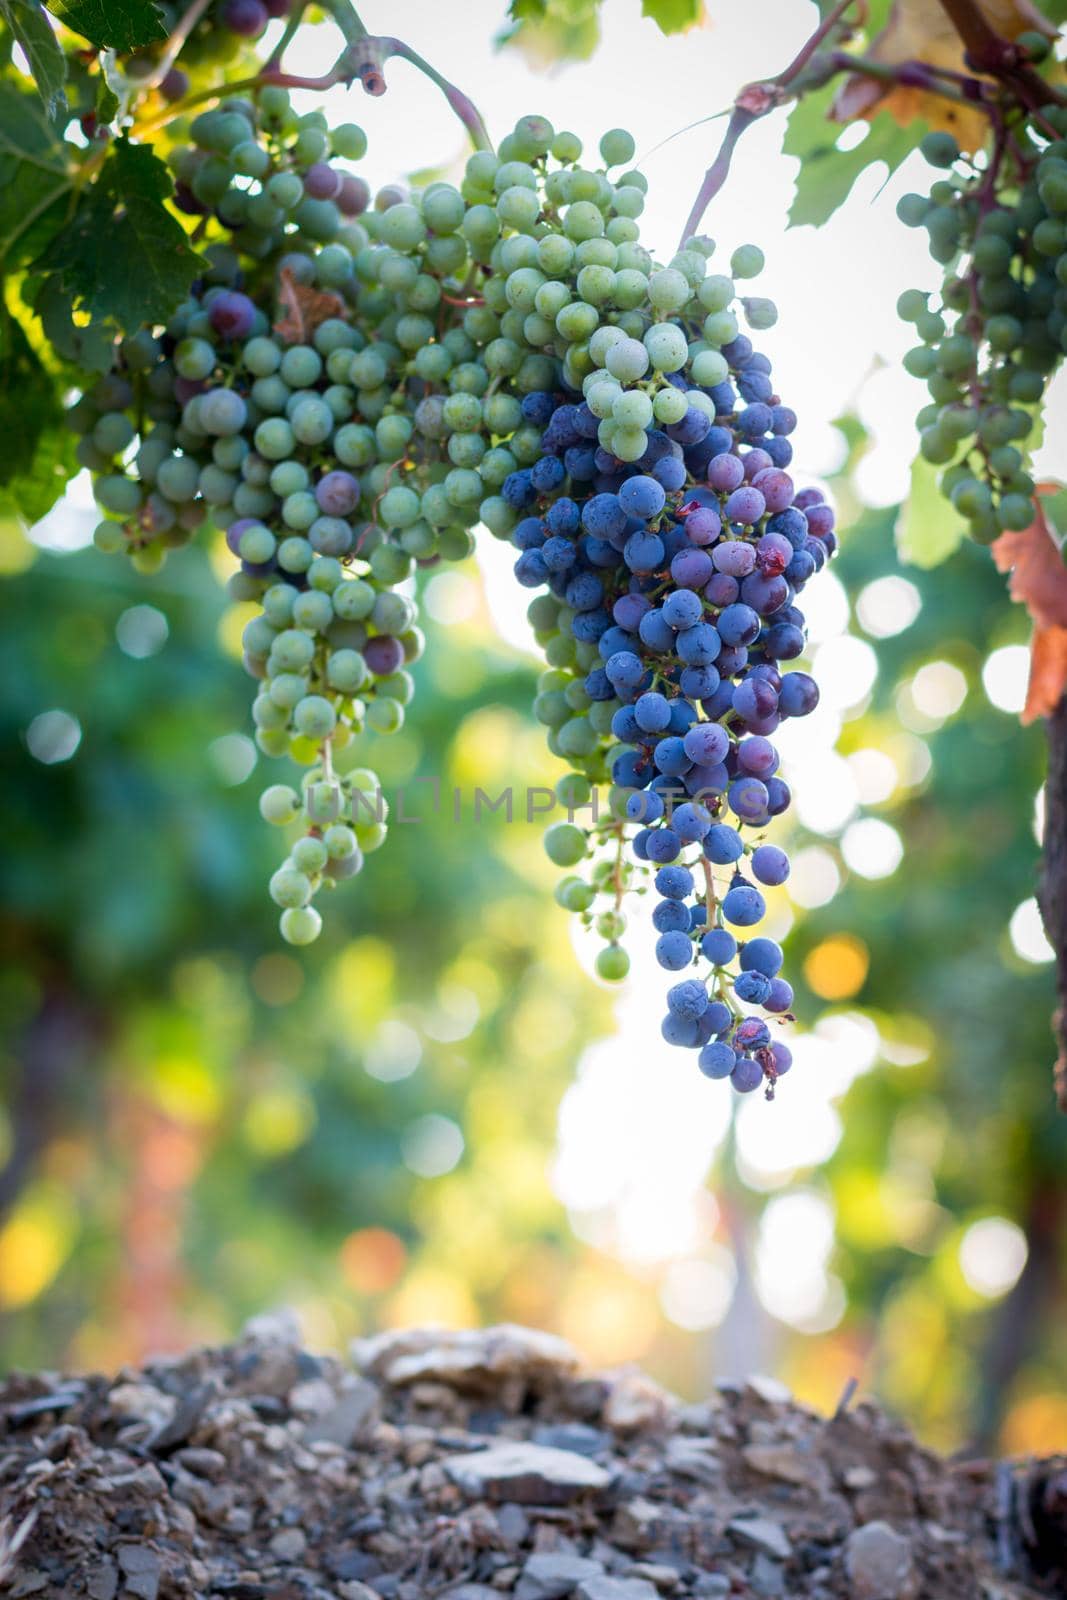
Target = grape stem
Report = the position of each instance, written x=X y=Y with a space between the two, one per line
x=295 y=18
x=363 y=57
x=367 y=58
x=175 y=44
x=709 y=891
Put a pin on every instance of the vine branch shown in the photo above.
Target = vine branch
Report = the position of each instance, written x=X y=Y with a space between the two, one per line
x=755 y=101
x=997 y=57
x=363 y=57
x=987 y=53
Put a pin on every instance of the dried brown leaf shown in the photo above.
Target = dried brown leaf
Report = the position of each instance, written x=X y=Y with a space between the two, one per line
x=305 y=309
x=1048 y=674
x=1038 y=576
x=1039 y=582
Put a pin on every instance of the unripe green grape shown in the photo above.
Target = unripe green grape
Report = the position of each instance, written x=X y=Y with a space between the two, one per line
x=300 y=925
x=919 y=362
x=290 y=888
x=274 y=439
x=300 y=510
x=670 y=405
x=939 y=148
x=194 y=359
x=596 y=252
x=565 y=844
x=112 y=433
x=348 y=141
x=315 y=717
x=583 y=220
x=455 y=543
x=280 y=805
x=911 y=305
x=311 y=420
x=292 y=650
x=278 y=604
x=596 y=284
x=340 y=841
x=309 y=855
x=574 y=894
x=257 y=545
x=708 y=368
x=323 y=800
x=109 y=537
x=612 y=963
x=325 y=574
x=346 y=671
x=720 y=327
x=385 y=716
x=747 y=261
x=118 y=494
x=601 y=713
x=1016 y=512
x=313 y=610
x=936 y=447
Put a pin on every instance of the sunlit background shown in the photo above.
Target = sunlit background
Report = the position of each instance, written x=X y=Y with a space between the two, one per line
x=440 y=1114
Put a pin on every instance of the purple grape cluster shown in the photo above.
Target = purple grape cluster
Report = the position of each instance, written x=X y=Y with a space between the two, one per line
x=676 y=577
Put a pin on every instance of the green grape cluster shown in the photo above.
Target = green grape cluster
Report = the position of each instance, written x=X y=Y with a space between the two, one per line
x=999 y=332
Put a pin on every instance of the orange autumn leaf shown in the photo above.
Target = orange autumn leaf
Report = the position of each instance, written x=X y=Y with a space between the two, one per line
x=1039 y=581
x=305 y=309
x=1048 y=674
x=919 y=30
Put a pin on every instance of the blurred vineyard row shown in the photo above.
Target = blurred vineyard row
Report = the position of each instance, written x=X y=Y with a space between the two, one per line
x=197 y=1124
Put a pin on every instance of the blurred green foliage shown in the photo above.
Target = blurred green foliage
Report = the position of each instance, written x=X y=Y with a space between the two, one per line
x=198 y=1123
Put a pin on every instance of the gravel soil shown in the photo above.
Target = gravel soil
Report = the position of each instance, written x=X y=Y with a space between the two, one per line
x=484 y=1465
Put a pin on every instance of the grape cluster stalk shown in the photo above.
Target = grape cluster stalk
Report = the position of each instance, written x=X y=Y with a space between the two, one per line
x=355 y=384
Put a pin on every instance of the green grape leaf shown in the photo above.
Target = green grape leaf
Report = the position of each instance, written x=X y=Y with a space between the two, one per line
x=36 y=447
x=121 y=25
x=826 y=173
x=1054 y=506
x=91 y=347
x=123 y=256
x=929 y=529
x=673 y=16
x=34 y=181
x=547 y=31
x=30 y=27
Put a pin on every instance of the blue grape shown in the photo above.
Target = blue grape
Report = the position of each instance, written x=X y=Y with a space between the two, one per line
x=747 y=1075
x=743 y=905
x=674 y=951
x=720 y=947
x=670 y=916
x=723 y=845
x=688 y=999
x=761 y=955
x=770 y=865
x=674 y=883
x=717 y=1060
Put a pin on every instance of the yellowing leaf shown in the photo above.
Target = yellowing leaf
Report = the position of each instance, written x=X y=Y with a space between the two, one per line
x=919 y=30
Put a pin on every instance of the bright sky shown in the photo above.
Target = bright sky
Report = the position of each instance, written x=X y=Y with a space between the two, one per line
x=640 y=1127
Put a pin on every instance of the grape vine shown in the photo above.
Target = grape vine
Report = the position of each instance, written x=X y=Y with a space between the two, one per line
x=344 y=386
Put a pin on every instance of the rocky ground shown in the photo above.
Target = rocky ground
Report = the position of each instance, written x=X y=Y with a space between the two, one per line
x=485 y=1465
